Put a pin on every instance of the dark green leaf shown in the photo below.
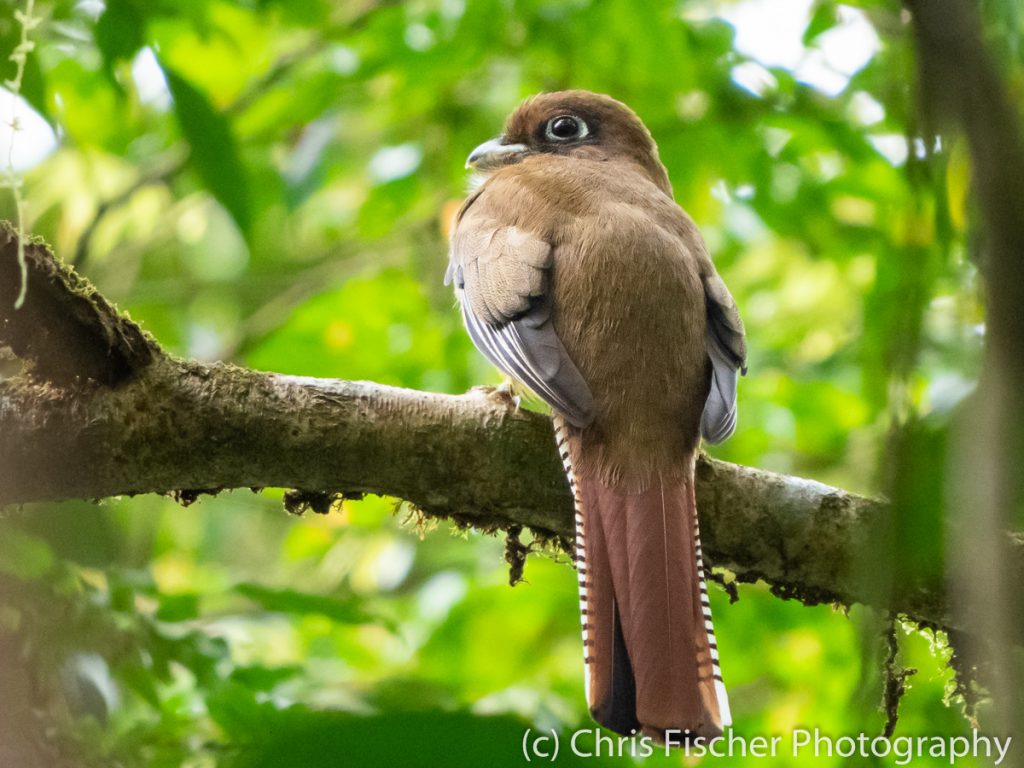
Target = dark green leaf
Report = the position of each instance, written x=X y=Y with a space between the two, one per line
x=120 y=32
x=258 y=677
x=178 y=607
x=214 y=152
x=235 y=709
x=294 y=601
x=301 y=738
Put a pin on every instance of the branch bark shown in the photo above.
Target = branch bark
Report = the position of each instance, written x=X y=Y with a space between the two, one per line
x=67 y=330
x=69 y=429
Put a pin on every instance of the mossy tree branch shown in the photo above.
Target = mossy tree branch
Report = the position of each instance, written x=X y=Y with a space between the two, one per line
x=65 y=329
x=113 y=414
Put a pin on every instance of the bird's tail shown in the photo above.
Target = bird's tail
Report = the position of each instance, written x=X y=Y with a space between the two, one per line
x=651 y=661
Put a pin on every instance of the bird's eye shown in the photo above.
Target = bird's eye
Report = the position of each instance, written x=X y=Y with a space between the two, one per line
x=565 y=127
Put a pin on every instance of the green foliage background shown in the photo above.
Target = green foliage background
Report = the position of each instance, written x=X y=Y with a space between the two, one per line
x=278 y=200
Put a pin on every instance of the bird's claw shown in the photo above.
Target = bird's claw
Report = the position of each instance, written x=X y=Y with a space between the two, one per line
x=503 y=394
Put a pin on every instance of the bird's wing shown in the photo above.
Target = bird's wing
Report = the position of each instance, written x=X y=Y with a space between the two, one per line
x=501 y=276
x=727 y=348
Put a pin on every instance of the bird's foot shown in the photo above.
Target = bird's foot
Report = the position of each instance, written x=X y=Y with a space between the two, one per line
x=504 y=394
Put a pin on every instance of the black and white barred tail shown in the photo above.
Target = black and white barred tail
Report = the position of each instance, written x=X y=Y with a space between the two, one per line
x=579 y=544
x=705 y=603
x=625 y=526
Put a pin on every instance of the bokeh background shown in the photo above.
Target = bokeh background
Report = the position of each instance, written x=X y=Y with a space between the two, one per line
x=267 y=182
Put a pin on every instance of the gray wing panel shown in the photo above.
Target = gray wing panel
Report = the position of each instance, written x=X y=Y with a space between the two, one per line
x=727 y=348
x=528 y=349
x=718 y=420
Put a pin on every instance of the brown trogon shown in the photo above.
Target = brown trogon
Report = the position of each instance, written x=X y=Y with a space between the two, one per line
x=579 y=276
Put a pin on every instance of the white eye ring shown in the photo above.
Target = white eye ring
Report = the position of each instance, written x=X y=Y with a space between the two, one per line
x=581 y=129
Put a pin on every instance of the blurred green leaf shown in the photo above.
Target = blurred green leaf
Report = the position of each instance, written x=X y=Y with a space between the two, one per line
x=178 y=607
x=410 y=739
x=258 y=677
x=25 y=556
x=234 y=708
x=294 y=601
x=120 y=32
x=214 y=154
x=824 y=17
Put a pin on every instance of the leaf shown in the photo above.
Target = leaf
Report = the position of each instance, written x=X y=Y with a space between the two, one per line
x=822 y=20
x=294 y=601
x=302 y=737
x=258 y=677
x=958 y=184
x=142 y=681
x=24 y=556
x=235 y=709
x=214 y=151
x=120 y=32
x=181 y=607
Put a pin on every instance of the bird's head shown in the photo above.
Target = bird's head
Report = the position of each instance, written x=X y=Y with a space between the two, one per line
x=572 y=124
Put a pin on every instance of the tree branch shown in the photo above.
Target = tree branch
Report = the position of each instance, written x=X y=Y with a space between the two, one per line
x=165 y=424
x=65 y=328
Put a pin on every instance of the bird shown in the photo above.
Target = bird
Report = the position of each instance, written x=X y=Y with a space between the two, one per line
x=579 y=276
